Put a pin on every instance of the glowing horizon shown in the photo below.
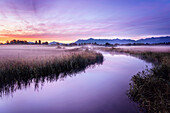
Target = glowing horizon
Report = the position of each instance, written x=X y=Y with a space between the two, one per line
x=70 y=20
x=4 y=40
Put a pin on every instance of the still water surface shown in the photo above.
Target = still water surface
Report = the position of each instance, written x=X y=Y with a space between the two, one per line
x=101 y=89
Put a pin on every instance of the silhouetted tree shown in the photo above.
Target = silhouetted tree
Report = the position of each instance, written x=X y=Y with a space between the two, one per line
x=7 y=42
x=108 y=44
x=17 y=42
x=39 y=41
x=45 y=43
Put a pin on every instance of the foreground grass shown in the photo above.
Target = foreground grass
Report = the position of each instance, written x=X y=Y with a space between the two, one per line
x=14 y=73
x=151 y=87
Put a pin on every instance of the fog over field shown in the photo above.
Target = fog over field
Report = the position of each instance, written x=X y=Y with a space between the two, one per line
x=44 y=51
x=32 y=51
x=147 y=48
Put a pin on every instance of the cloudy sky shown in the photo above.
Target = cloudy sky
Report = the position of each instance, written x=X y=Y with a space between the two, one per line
x=69 y=20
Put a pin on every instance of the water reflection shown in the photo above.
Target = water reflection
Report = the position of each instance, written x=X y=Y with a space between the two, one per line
x=9 y=87
x=101 y=89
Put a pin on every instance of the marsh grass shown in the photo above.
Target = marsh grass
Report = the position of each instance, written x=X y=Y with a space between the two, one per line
x=17 y=72
x=151 y=87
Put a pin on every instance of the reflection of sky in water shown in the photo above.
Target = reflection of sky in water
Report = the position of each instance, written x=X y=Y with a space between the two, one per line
x=100 y=89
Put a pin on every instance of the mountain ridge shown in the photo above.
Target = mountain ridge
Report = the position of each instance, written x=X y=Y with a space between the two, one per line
x=151 y=40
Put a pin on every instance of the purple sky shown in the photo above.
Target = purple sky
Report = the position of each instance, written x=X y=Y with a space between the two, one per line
x=69 y=20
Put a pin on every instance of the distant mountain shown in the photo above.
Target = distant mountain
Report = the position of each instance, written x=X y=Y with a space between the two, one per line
x=103 y=41
x=30 y=42
x=54 y=43
x=126 y=41
x=154 y=40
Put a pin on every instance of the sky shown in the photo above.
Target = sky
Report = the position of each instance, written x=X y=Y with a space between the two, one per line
x=70 y=20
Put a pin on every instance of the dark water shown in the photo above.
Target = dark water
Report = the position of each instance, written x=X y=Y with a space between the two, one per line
x=101 y=89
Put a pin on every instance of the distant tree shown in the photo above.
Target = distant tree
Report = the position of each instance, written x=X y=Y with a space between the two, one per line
x=116 y=44
x=13 y=41
x=39 y=41
x=107 y=44
x=45 y=43
x=7 y=42
x=36 y=42
x=17 y=42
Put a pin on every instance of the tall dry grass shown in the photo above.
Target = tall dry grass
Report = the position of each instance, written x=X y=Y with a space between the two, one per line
x=16 y=72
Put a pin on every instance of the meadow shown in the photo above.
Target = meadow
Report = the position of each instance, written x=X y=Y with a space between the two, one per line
x=30 y=51
x=151 y=48
x=22 y=64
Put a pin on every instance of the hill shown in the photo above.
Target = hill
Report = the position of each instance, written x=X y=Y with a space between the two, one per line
x=126 y=41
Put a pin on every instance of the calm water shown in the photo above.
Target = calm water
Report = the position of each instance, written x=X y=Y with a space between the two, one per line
x=101 y=89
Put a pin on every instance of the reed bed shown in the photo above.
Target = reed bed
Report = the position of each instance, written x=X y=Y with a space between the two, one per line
x=15 y=72
x=151 y=87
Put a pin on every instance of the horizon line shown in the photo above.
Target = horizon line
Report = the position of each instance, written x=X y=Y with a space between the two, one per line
x=66 y=42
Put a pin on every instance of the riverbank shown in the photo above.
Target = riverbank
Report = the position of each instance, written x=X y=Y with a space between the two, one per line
x=98 y=88
x=150 y=88
x=17 y=71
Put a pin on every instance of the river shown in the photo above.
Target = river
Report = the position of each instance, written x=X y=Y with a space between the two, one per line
x=99 y=89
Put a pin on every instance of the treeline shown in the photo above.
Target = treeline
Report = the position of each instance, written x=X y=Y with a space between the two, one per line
x=25 y=42
x=80 y=44
x=136 y=44
x=165 y=43
x=117 y=44
x=17 y=42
